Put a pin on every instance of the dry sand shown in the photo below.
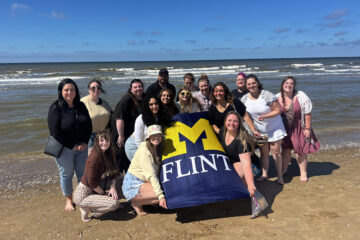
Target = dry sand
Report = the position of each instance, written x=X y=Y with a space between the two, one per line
x=326 y=207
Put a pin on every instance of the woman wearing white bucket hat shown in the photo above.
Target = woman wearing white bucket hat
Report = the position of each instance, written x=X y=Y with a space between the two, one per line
x=141 y=184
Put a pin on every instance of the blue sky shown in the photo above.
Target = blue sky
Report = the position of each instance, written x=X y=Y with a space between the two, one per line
x=58 y=31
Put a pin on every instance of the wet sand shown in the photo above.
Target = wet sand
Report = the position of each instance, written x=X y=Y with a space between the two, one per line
x=326 y=207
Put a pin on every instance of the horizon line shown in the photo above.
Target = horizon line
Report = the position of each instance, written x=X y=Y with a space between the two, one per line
x=226 y=59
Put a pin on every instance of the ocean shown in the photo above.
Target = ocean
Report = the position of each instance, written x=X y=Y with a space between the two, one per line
x=27 y=90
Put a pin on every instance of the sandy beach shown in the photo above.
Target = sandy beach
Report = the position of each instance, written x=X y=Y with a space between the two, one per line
x=326 y=207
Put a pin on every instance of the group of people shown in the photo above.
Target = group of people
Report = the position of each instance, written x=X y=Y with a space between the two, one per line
x=100 y=144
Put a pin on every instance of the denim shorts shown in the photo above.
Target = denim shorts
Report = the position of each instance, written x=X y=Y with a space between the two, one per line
x=131 y=186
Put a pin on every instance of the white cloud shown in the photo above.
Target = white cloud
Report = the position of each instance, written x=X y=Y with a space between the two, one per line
x=58 y=15
x=17 y=8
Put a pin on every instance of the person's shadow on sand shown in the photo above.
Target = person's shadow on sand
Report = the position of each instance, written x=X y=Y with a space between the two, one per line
x=313 y=169
x=123 y=213
x=239 y=207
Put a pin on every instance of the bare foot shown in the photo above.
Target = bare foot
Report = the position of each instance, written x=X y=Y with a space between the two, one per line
x=69 y=205
x=139 y=210
x=262 y=178
x=304 y=179
x=85 y=214
x=280 y=181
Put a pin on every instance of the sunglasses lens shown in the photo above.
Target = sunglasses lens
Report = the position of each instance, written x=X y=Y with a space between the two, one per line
x=96 y=88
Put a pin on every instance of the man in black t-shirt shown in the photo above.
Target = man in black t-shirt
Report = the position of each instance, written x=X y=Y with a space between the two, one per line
x=163 y=82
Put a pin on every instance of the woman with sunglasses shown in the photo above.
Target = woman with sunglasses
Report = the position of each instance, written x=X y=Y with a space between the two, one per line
x=98 y=108
x=186 y=103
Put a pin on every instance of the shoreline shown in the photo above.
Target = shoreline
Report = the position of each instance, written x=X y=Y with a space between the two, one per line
x=325 y=207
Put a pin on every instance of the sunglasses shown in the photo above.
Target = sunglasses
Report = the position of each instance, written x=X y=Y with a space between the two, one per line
x=95 y=88
x=185 y=93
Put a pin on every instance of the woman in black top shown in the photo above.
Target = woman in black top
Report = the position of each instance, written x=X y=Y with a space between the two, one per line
x=70 y=124
x=123 y=120
x=238 y=145
x=223 y=102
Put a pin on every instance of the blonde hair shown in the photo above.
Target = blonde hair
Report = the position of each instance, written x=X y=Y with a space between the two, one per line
x=242 y=134
x=183 y=107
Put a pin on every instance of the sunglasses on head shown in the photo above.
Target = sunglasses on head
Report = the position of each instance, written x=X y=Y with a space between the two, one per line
x=185 y=93
x=96 y=88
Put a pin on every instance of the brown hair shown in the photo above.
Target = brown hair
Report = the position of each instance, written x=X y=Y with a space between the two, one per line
x=189 y=76
x=282 y=90
x=203 y=78
x=228 y=96
x=98 y=81
x=108 y=157
x=156 y=152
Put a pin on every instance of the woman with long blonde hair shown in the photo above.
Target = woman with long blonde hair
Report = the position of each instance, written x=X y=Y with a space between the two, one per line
x=238 y=145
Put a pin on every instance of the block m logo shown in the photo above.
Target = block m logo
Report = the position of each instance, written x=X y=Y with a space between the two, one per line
x=175 y=143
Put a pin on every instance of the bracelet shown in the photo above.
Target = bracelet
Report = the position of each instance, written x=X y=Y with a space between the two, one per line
x=307 y=128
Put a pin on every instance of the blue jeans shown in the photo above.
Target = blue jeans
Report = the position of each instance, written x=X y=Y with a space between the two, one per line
x=69 y=161
x=91 y=140
x=130 y=147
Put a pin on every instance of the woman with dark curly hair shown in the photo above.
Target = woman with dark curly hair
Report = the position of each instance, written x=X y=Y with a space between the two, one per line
x=223 y=102
x=151 y=114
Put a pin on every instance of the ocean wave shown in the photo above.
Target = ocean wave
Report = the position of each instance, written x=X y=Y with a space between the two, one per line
x=299 y=65
x=233 y=67
x=116 y=69
x=34 y=81
x=18 y=72
x=342 y=70
x=270 y=71
x=319 y=69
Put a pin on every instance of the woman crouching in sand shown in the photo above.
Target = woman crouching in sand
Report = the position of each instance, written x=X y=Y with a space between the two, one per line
x=238 y=145
x=100 y=173
x=141 y=184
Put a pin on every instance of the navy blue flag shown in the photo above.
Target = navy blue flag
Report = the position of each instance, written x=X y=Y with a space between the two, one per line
x=195 y=169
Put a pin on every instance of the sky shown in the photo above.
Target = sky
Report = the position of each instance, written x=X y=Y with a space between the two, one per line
x=109 y=30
